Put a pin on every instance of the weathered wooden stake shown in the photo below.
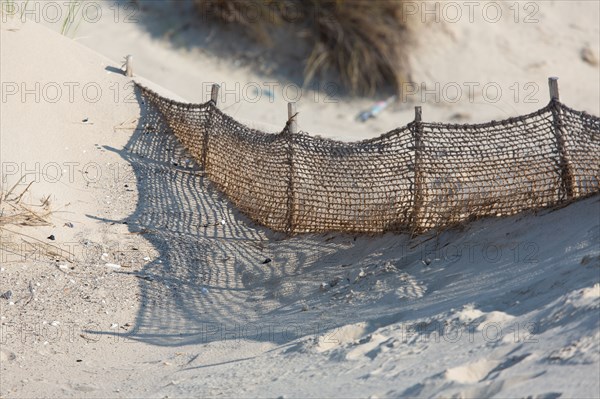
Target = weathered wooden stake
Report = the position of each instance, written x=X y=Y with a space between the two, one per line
x=568 y=183
x=553 y=84
x=214 y=98
x=418 y=178
x=418 y=113
x=129 y=65
x=291 y=196
x=214 y=94
x=292 y=118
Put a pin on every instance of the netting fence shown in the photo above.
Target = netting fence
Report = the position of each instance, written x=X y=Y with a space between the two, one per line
x=411 y=179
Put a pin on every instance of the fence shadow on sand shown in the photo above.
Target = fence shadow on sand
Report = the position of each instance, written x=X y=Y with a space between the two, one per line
x=221 y=276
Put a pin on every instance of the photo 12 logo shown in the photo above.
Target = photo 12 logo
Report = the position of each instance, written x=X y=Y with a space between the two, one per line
x=69 y=14
x=253 y=92
x=64 y=172
x=470 y=11
x=70 y=92
x=472 y=92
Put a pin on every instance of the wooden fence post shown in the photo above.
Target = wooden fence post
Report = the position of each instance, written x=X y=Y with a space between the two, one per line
x=292 y=129
x=129 y=66
x=214 y=93
x=568 y=186
x=553 y=85
x=418 y=174
x=293 y=123
x=214 y=98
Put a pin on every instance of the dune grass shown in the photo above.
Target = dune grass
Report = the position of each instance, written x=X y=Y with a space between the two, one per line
x=15 y=244
x=7 y=7
x=73 y=18
x=14 y=212
x=362 y=42
x=69 y=25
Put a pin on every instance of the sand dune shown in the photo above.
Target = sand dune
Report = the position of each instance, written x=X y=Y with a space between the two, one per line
x=165 y=290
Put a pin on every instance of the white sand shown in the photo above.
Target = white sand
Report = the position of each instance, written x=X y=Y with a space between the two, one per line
x=470 y=71
x=471 y=67
x=505 y=308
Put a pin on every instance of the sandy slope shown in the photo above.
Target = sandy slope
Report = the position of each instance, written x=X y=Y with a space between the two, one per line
x=469 y=65
x=505 y=308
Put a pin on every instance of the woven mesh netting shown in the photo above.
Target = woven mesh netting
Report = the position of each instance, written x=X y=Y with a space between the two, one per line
x=414 y=178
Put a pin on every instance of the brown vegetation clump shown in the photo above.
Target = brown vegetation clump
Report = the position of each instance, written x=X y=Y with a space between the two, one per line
x=14 y=212
x=360 y=41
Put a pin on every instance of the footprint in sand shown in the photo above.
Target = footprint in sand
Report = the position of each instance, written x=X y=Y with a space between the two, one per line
x=410 y=288
x=7 y=356
x=482 y=369
x=471 y=372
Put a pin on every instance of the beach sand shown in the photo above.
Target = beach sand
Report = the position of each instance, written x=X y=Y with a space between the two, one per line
x=155 y=286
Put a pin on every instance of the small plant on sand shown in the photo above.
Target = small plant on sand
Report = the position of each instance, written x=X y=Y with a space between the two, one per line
x=69 y=25
x=73 y=18
x=10 y=8
x=14 y=214
x=24 y=8
x=7 y=7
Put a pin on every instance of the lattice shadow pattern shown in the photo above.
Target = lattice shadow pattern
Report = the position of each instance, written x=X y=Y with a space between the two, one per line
x=411 y=179
x=180 y=215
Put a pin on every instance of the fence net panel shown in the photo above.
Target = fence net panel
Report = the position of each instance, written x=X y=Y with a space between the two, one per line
x=583 y=149
x=354 y=187
x=250 y=167
x=491 y=169
x=414 y=178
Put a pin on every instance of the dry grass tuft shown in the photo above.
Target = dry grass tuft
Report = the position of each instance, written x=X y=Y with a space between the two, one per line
x=17 y=244
x=14 y=212
x=360 y=41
